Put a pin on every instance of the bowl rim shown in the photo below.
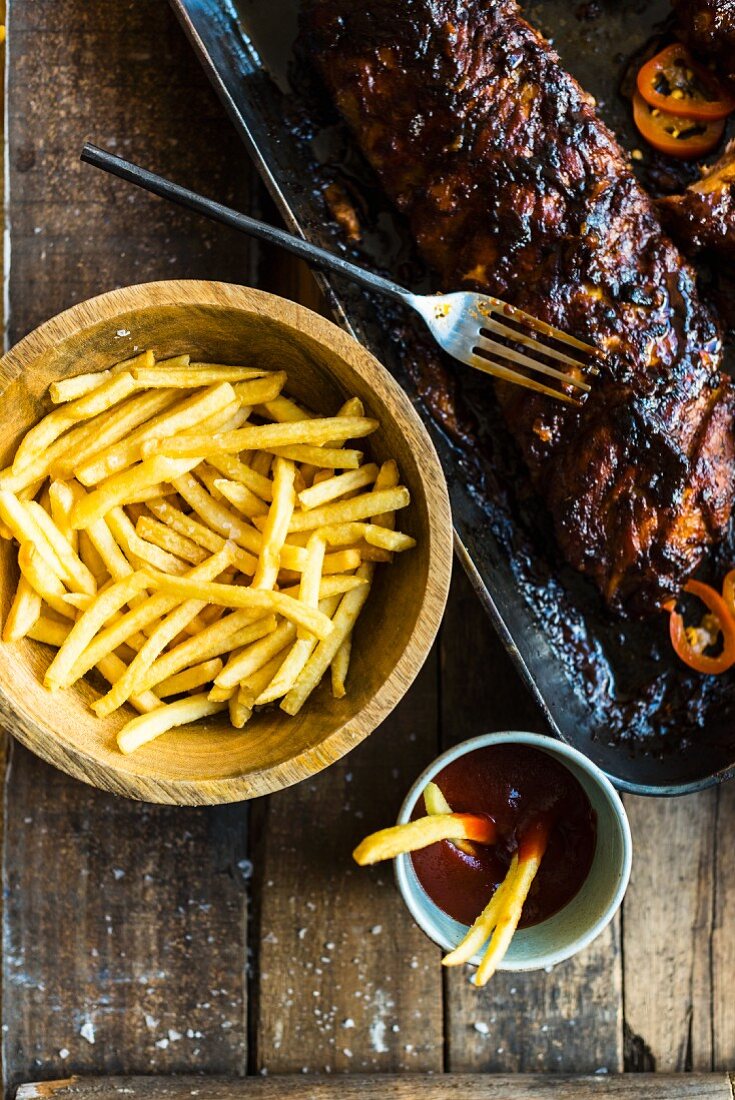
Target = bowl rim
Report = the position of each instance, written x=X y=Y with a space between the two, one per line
x=91 y=770
x=414 y=900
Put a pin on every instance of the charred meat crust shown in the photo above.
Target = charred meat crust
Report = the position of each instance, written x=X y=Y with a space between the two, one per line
x=702 y=219
x=708 y=28
x=512 y=185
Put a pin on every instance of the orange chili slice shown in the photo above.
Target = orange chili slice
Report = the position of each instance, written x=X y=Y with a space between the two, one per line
x=718 y=606
x=399 y=839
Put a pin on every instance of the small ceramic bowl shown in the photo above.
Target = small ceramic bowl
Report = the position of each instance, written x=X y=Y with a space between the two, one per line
x=590 y=910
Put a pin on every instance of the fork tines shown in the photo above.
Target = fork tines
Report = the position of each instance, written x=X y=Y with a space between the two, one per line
x=542 y=339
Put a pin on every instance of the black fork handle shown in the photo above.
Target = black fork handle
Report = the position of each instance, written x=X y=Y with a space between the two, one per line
x=166 y=189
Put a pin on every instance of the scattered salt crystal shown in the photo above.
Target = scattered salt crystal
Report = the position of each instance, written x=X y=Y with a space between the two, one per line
x=349 y=1022
x=376 y=929
x=245 y=866
x=302 y=933
x=87 y=1031
x=63 y=1054
x=174 y=1036
x=481 y=1026
x=118 y=873
x=347 y=1052
x=162 y=1044
x=601 y=1071
x=151 y=1022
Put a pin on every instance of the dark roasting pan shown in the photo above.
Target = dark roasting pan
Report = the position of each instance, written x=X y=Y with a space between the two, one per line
x=609 y=687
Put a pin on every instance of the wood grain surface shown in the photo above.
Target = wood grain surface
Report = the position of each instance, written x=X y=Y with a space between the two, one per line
x=390 y=1087
x=271 y=903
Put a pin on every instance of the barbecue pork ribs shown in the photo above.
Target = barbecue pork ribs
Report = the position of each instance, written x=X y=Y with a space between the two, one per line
x=512 y=185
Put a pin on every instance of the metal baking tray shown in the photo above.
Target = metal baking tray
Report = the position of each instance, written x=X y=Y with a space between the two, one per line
x=610 y=687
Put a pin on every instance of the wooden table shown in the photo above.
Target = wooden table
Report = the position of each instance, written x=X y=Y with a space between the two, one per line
x=149 y=940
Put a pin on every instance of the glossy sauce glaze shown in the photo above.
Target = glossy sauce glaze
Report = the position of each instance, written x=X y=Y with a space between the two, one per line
x=517 y=785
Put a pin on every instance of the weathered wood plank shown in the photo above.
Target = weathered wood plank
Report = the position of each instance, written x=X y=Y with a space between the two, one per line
x=667 y=916
x=347 y=982
x=108 y=901
x=723 y=932
x=569 y=1019
x=108 y=904
x=390 y=1087
x=123 y=75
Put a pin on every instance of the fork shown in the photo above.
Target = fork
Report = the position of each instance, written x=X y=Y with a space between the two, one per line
x=476 y=329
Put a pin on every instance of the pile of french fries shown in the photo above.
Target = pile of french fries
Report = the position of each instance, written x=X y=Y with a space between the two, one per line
x=197 y=537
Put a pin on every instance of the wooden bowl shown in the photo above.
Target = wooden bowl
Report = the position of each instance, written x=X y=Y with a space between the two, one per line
x=210 y=762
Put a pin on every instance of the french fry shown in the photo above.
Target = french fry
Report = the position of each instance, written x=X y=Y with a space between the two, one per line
x=282 y=409
x=40 y=437
x=91 y=558
x=240 y=496
x=61 y=500
x=239 y=713
x=25 y=528
x=333 y=458
x=69 y=389
x=254 y=685
x=162 y=536
x=135 y=677
x=112 y=667
x=179 y=417
x=137 y=549
x=337 y=486
x=344 y=620
x=330 y=586
x=229 y=633
x=221 y=695
x=50 y=631
x=348 y=534
x=79 y=446
x=276 y=524
x=122 y=486
x=261 y=462
x=208 y=476
x=75 y=574
x=91 y=621
x=146 y=727
x=248 y=660
x=230 y=595
x=304 y=644
x=102 y=540
x=357 y=508
x=25 y=611
x=265 y=436
x=340 y=667
x=190 y=678
x=43 y=580
x=201 y=534
x=139 y=618
x=255 y=391
x=190 y=377
x=420 y=833
x=388 y=478
x=436 y=803
x=234 y=469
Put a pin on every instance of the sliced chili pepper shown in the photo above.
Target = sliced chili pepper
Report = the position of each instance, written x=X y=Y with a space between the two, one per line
x=674 y=135
x=673 y=81
x=701 y=662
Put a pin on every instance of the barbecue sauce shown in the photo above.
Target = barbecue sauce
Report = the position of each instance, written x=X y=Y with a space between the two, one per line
x=517 y=785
